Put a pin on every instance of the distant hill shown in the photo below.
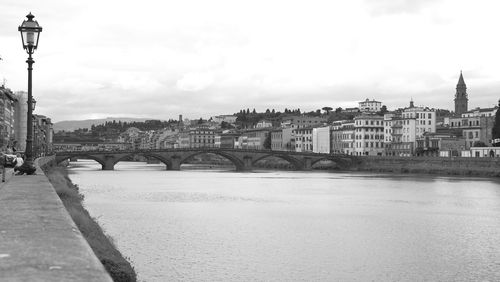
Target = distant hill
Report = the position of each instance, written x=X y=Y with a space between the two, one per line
x=71 y=125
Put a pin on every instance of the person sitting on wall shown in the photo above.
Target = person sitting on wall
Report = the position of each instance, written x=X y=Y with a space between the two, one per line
x=18 y=162
x=3 y=160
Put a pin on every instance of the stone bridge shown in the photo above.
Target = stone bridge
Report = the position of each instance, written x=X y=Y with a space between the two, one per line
x=242 y=159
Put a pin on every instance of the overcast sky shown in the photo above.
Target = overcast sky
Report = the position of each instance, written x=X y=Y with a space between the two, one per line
x=200 y=58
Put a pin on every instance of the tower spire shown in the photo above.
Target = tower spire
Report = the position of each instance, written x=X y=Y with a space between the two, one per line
x=461 y=80
x=461 y=97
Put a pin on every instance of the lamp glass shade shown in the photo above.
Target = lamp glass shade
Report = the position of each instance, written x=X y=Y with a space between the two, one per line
x=30 y=33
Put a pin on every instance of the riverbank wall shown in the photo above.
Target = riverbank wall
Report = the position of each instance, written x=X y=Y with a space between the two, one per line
x=487 y=167
x=113 y=261
x=38 y=239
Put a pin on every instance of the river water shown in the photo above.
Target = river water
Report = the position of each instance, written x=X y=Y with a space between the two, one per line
x=220 y=225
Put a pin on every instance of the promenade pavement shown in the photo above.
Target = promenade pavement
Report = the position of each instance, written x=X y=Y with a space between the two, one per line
x=38 y=239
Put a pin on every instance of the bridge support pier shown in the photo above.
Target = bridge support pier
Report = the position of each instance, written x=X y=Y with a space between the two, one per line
x=108 y=166
x=307 y=164
x=175 y=163
x=109 y=163
x=247 y=164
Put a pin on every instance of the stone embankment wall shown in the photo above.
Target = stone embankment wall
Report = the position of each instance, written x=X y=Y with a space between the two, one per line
x=432 y=165
x=114 y=262
x=38 y=239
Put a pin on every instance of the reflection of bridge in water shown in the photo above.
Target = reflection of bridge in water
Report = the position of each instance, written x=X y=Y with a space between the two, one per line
x=242 y=159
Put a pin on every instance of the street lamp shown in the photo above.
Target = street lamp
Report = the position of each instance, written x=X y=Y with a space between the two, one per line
x=30 y=32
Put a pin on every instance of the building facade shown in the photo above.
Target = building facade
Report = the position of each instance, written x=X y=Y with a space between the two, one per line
x=370 y=106
x=8 y=103
x=302 y=121
x=368 y=135
x=303 y=139
x=403 y=128
x=321 y=140
x=473 y=129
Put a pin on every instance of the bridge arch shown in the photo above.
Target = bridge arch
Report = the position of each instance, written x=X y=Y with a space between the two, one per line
x=340 y=162
x=159 y=157
x=297 y=164
x=60 y=159
x=238 y=163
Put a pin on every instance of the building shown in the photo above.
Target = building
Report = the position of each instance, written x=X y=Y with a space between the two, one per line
x=225 y=139
x=131 y=136
x=202 y=138
x=264 y=124
x=21 y=120
x=302 y=121
x=368 y=135
x=370 y=106
x=43 y=135
x=351 y=110
x=8 y=103
x=321 y=140
x=183 y=140
x=282 y=139
x=303 y=139
x=342 y=137
x=253 y=139
x=166 y=138
x=485 y=152
x=473 y=129
x=443 y=143
x=224 y=118
x=91 y=146
x=403 y=128
x=478 y=112
x=461 y=97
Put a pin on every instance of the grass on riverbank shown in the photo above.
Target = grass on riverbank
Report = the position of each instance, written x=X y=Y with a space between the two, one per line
x=117 y=266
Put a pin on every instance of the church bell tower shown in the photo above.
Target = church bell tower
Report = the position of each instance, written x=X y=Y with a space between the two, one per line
x=461 y=99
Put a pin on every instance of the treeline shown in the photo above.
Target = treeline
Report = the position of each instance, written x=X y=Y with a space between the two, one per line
x=122 y=126
x=247 y=118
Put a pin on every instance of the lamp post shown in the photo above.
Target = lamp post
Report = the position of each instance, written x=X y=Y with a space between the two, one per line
x=30 y=32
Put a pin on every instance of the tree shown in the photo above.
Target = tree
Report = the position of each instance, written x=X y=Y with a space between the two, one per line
x=495 y=132
x=479 y=144
x=267 y=141
x=338 y=110
x=383 y=110
x=327 y=110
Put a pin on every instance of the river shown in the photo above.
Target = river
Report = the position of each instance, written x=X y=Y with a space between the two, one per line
x=220 y=225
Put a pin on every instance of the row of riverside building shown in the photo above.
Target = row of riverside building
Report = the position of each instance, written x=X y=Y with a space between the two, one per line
x=373 y=131
x=13 y=122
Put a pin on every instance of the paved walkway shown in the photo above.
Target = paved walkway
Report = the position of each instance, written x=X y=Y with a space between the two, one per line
x=38 y=239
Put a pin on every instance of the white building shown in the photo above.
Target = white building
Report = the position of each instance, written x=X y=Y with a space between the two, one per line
x=370 y=106
x=264 y=124
x=478 y=112
x=303 y=139
x=321 y=140
x=226 y=118
x=402 y=129
x=368 y=135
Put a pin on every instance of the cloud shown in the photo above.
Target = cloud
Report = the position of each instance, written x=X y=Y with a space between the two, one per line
x=195 y=81
x=392 y=7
